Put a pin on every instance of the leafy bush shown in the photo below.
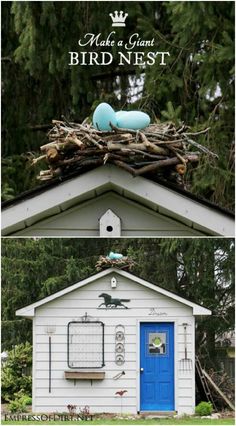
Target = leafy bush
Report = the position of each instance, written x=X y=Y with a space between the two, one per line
x=27 y=400
x=20 y=402
x=204 y=409
x=13 y=378
x=17 y=406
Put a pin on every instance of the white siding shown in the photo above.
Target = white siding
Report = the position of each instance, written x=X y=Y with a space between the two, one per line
x=83 y=220
x=100 y=395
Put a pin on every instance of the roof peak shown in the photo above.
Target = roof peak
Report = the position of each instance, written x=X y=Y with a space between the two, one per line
x=29 y=311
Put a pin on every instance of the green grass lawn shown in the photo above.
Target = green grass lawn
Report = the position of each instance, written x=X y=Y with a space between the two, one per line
x=183 y=421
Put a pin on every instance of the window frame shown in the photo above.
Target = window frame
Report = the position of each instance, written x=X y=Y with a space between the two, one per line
x=156 y=354
x=68 y=345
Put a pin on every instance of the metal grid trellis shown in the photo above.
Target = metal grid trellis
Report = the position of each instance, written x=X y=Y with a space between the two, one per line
x=85 y=344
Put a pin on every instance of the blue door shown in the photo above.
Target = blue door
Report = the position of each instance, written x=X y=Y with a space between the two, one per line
x=157 y=367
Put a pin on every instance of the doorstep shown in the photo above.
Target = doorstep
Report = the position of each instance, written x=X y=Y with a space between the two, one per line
x=161 y=414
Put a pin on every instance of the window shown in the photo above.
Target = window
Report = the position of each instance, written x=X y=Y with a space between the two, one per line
x=157 y=343
x=85 y=343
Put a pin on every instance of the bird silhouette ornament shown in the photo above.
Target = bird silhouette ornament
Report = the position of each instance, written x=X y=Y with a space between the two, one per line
x=109 y=302
x=120 y=394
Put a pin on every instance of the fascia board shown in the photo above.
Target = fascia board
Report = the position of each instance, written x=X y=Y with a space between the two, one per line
x=29 y=311
x=182 y=206
x=51 y=198
x=177 y=205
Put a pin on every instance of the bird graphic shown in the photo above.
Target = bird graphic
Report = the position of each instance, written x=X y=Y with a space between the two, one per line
x=121 y=392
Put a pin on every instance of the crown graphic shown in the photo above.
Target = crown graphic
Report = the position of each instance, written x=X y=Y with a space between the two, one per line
x=118 y=19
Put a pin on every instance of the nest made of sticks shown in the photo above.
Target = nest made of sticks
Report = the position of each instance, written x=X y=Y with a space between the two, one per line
x=126 y=263
x=160 y=149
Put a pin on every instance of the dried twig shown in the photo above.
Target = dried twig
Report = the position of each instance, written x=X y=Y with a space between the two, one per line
x=200 y=147
x=74 y=146
x=125 y=263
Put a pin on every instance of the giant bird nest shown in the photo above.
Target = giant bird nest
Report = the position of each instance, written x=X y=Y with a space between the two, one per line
x=125 y=263
x=161 y=149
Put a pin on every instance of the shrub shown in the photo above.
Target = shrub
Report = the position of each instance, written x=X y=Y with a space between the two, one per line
x=27 y=400
x=13 y=377
x=204 y=409
x=17 y=406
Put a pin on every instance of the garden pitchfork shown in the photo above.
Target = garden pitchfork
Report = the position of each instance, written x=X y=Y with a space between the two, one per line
x=185 y=364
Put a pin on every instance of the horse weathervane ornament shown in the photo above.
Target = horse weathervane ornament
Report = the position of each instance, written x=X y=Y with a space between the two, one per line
x=109 y=302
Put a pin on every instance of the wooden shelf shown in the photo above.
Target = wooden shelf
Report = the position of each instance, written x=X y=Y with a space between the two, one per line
x=85 y=375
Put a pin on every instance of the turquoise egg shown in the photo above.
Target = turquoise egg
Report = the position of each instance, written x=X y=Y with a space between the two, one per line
x=103 y=115
x=134 y=120
x=119 y=114
x=114 y=256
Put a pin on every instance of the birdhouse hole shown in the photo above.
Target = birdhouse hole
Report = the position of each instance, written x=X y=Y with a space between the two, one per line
x=110 y=224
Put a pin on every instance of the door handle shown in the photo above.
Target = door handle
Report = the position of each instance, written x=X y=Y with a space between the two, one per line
x=141 y=369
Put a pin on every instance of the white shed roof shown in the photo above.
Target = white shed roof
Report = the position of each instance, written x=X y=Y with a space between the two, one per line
x=29 y=311
x=53 y=199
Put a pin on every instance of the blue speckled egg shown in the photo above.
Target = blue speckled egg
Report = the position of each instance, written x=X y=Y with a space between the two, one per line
x=133 y=120
x=103 y=115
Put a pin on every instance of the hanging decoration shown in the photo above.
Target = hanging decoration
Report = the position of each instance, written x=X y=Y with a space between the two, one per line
x=120 y=344
x=111 y=303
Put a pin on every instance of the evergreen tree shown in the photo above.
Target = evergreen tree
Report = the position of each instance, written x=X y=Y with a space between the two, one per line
x=205 y=274
x=196 y=86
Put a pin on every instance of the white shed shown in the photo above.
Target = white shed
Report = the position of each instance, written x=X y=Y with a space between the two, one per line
x=108 y=201
x=114 y=332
